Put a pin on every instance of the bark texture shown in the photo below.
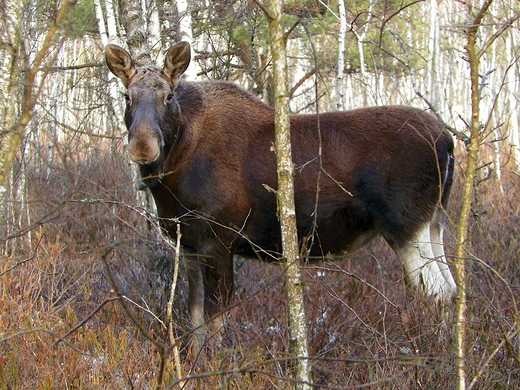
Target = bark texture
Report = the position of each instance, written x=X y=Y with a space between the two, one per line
x=285 y=197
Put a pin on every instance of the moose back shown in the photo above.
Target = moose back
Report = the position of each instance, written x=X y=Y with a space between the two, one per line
x=205 y=151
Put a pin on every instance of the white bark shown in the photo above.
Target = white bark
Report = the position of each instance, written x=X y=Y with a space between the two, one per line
x=113 y=36
x=154 y=31
x=186 y=34
x=360 y=38
x=340 y=88
x=434 y=60
x=135 y=27
x=101 y=23
x=108 y=32
x=513 y=86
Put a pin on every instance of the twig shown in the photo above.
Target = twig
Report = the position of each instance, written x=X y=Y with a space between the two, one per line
x=18 y=264
x=145 y=309
x=169 y=308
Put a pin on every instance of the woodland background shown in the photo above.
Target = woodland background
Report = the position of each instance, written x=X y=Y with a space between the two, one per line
x=85 y=273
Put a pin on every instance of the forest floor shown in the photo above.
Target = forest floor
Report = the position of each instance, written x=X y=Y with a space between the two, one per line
x=62 y=325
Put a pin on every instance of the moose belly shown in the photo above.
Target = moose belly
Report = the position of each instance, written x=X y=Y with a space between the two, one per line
x=332 y=232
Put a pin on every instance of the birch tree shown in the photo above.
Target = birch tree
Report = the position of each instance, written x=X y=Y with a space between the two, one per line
x=285 y=197
x=186 y=34
x=153 y=29
x=476 y=47
x=132 y=15
x=103 y=35
x=11 y=139
x=513 y=86
x=340 y=88
x=434 y=60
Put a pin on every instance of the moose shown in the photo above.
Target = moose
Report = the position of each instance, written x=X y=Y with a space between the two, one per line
x=204 y=149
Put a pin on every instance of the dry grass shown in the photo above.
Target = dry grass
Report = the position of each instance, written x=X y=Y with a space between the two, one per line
x=63 y=327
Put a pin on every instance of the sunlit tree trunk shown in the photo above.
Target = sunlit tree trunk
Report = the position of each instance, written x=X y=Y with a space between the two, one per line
x=285 y=196
x=108 y=33
x=340 y=88
x=434 y=59
x=373 y=94
x=474 y=57
x=513 y=86
x=101 y=22
x=11 y=15
x=113 y=36
x=154 y=30
x=186 y=34
x=132 y=16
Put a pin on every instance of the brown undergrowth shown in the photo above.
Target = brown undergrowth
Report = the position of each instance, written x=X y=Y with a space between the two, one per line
x=63 y=324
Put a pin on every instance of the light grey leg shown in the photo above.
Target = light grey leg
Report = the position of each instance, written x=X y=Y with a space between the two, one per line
x=421 y=266
x=196 y=306
x=437 y=239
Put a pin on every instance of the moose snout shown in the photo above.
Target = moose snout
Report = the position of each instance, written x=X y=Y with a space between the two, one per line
x=144 y=149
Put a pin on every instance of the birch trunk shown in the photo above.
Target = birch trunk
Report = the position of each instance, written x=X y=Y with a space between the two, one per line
x=111 y=22
x=362 y=63
x=186 y=34
x=108 y=32
x=513 y=86
x=340 y=89
x=434 y=59
x=133 y=21
x=101 y=22
x=474 y=57
x=154 y=31
x=285 y=197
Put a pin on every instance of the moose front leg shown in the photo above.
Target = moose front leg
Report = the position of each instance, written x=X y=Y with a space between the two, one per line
x=196 y=305
x=210 y=279
x=218 y=286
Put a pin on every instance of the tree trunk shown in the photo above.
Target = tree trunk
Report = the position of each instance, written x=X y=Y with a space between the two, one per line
x=111 y=22
x=434 y=60
x=132 y=17
x=101 y=22
x=513 y=86
x=285 y=197
x=474 y=56
x=154 y=31
x=186 y=34
x=340 y=88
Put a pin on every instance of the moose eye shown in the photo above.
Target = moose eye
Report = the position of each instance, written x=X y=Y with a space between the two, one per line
x=169 y=98
x=127 y=98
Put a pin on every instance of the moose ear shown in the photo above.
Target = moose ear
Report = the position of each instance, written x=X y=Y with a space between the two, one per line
x=176 y=61
x=120 y=63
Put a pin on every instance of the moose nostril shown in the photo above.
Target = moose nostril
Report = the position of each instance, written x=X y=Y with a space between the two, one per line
x=142 y=161
x=144 y=154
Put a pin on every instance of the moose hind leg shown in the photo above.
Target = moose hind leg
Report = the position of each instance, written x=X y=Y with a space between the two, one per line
x=437 y=240
x=420 y=265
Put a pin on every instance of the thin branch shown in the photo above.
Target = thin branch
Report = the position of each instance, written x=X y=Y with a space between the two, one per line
x=169 y=307
x=459 y=134
x=497 y=34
